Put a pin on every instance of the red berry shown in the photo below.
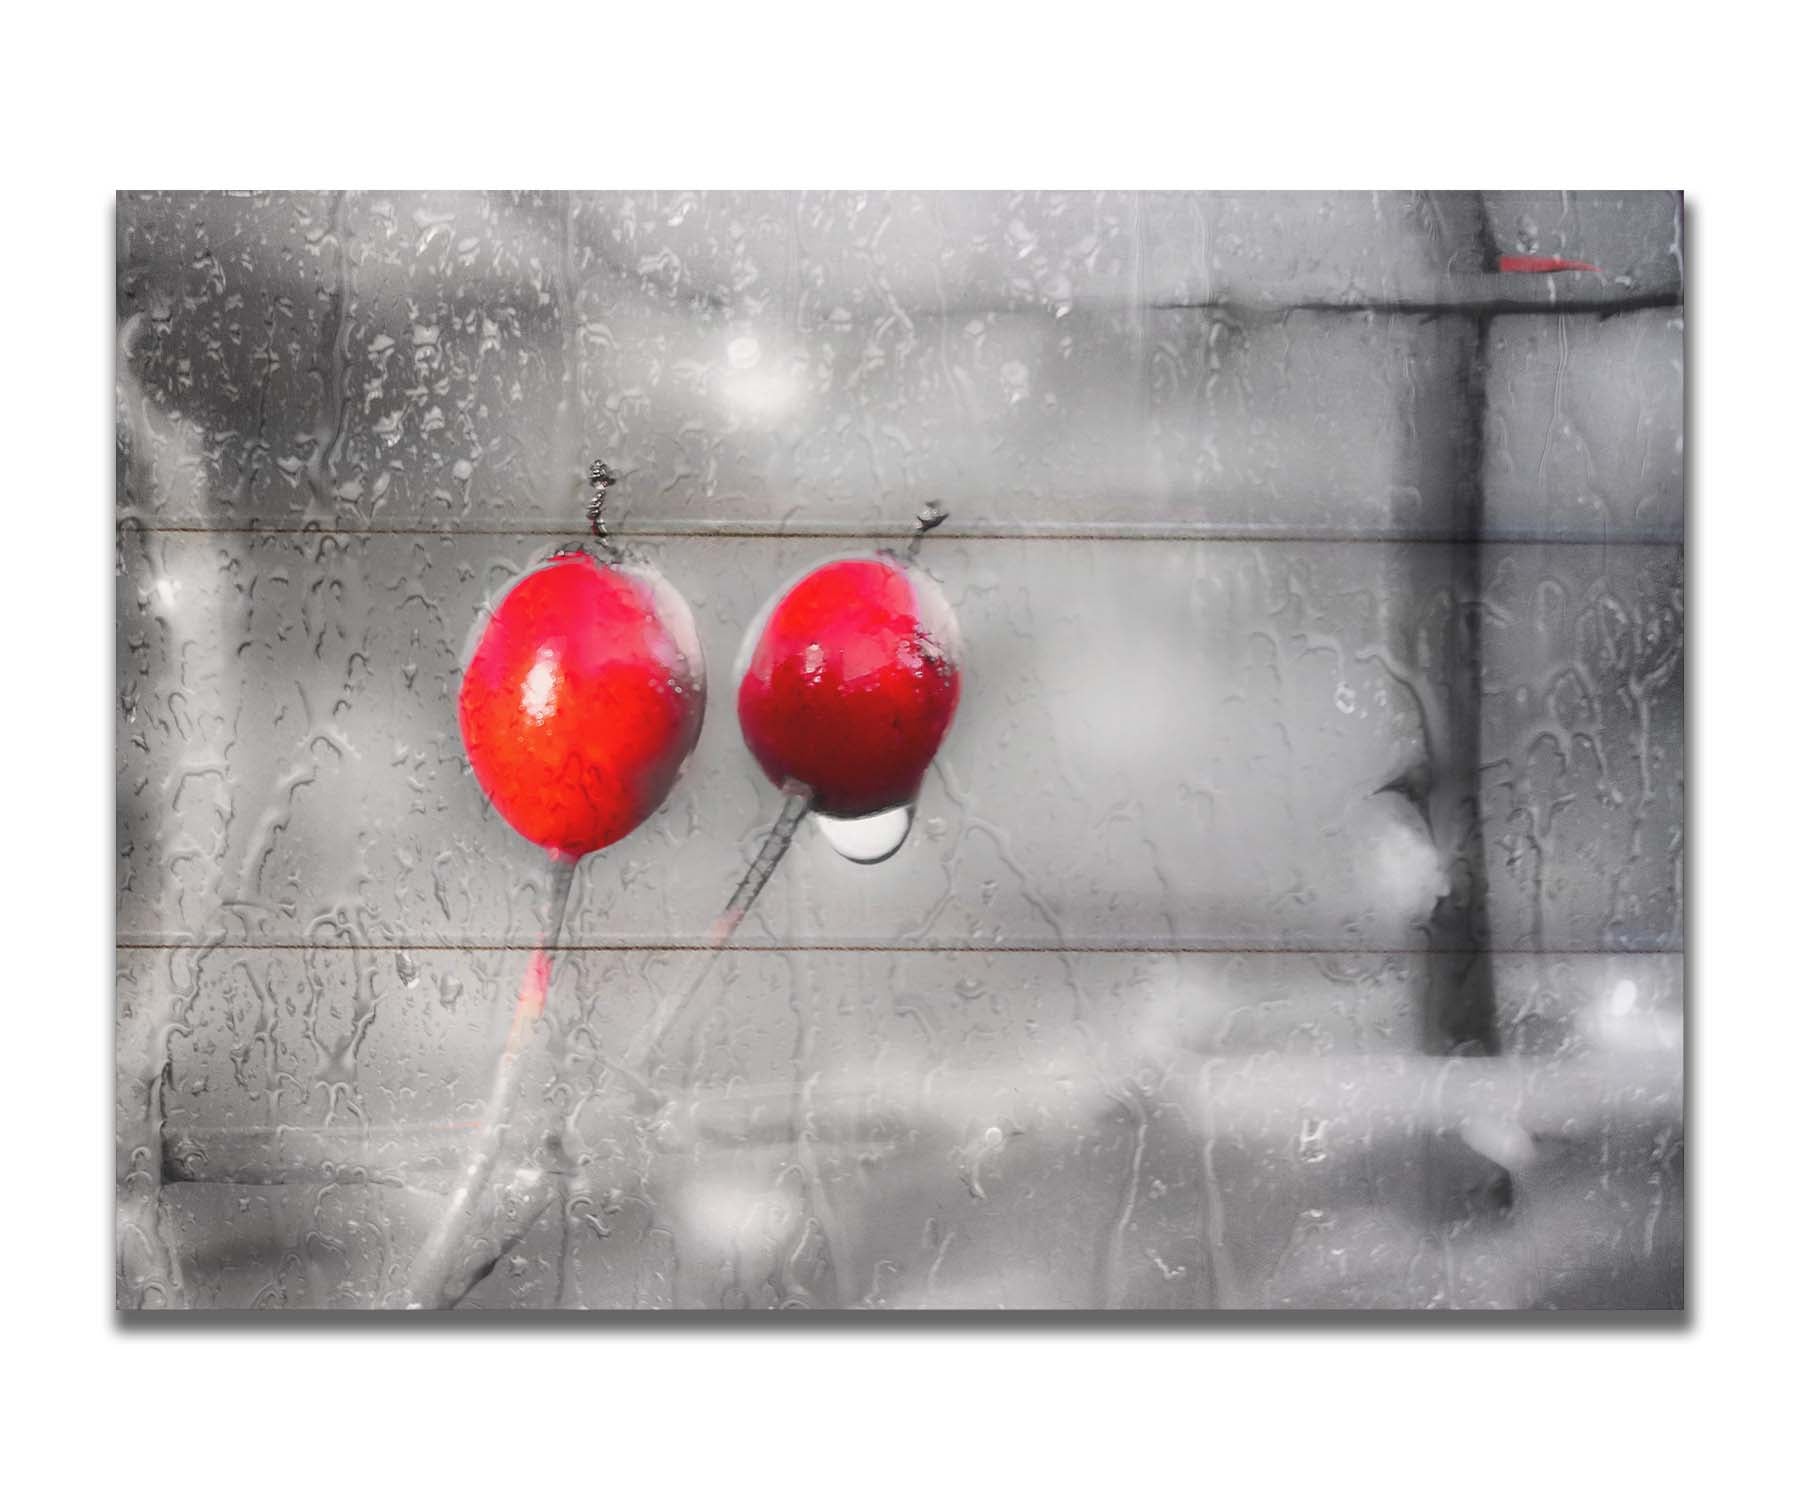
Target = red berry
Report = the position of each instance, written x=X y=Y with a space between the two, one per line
x=581 y=700
x=851 y=683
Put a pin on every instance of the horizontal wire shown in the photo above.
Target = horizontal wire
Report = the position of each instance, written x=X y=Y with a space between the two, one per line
x=694 y=945
x=751 y=531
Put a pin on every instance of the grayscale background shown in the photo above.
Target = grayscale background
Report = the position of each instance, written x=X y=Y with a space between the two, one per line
x=1293 y=917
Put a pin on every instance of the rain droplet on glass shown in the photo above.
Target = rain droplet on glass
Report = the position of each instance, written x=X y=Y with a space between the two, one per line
x=870 y=840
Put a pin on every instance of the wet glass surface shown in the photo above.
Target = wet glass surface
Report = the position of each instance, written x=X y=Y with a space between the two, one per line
x=1293 y=916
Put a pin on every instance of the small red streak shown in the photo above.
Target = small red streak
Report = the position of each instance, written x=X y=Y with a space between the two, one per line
x=535 y=988
x=1536 y=263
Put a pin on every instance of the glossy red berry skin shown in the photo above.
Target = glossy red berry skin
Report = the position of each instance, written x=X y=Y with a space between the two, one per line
x=850 y=684
x=581 y=700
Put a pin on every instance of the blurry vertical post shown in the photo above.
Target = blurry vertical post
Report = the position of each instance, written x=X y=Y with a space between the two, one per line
x=1460 y=1014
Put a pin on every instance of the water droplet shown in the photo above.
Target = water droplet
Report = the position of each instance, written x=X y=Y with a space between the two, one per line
x=1312 y=1140
x=870 y=840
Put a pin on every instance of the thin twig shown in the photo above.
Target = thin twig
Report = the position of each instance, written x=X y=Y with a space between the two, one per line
x=632 y=1065
x=428 y=1284
x=517 y=1207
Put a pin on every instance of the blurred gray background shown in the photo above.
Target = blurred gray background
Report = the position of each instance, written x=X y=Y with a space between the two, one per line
x=1293 y=918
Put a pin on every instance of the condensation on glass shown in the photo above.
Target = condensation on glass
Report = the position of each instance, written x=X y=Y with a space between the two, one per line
x=1293 y=918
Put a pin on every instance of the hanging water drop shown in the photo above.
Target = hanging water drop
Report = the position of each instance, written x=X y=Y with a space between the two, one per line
x=870 y=840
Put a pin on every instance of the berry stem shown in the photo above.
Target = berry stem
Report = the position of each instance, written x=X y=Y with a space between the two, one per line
x=675 y=1001
x=931 y=516
x=601 y=478
x=428 y=1285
